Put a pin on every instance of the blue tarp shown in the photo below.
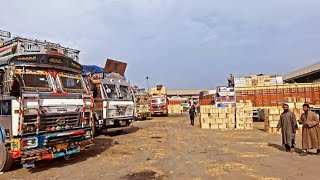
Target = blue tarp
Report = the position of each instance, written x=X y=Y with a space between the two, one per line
x=93 y=69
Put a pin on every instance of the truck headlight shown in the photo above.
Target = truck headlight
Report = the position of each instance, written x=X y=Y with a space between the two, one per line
x=30 y=142
x=88 y=134
x=30 y=128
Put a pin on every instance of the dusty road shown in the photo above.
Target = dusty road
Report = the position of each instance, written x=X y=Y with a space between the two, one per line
x=169 y=148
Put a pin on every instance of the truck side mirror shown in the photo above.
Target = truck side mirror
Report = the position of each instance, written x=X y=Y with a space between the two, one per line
x=15 y=88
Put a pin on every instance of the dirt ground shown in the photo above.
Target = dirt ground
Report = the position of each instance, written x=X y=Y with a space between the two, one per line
x=169 y=148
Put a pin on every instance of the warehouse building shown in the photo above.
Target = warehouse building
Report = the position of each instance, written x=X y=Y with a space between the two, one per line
x=191 y=94
x=307 y=74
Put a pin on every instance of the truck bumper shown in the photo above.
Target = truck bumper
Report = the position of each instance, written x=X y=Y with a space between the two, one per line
x=115 y=124
x=59 y=144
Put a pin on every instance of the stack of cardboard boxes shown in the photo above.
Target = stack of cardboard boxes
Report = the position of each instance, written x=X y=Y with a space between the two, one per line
x=244 y=119
x=214 y=118
x=254 y=80
x=272 y=117
x=174 y=109
x=227 y=118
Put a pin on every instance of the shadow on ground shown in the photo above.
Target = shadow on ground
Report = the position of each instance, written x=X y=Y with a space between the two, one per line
x=281 y=148
x=100 y=145
x=131 y=130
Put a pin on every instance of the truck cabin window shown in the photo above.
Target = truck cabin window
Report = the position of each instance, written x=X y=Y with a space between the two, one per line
x=158 y=101
x=71 y=83
x=112 y=93
x=125 y=92
x=35 y=80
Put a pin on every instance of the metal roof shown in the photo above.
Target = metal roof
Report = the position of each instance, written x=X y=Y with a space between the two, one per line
x=302 y=72
x=184 y=92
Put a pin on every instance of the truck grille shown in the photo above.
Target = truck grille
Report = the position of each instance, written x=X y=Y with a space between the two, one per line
x=71 y=119
x=52 y=120
x=157 y=108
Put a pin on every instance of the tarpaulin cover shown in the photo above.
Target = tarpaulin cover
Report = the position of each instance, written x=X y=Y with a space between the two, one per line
x=93 y=69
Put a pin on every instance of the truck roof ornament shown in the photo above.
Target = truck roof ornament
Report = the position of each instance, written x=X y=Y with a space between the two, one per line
x=30 y=46
x=5 y=34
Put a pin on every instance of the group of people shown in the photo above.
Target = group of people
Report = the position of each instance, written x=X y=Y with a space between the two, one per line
x=310 y=129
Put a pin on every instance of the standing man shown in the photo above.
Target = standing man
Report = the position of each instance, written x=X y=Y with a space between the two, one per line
x=310 y=130
x=230 y=81
x=192 y=113
x=288 y=126
x=181 y=108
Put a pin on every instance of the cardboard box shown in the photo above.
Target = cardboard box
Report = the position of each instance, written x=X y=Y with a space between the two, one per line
x=205 y=126
x=214 y=126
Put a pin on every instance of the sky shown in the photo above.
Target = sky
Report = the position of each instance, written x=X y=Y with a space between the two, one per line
x=182 y=44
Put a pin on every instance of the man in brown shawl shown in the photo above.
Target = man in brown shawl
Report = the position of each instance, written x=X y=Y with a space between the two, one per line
x=288 y=125
x=310 y=130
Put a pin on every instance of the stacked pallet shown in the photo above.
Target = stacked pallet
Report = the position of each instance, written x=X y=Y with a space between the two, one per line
x=174 y=109
x=244 y=119
x=254 y=80
x=217 y=118
x=273 y=116
x=159 y=90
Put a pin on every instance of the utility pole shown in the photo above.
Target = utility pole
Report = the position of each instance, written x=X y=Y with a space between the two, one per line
x=147 y=78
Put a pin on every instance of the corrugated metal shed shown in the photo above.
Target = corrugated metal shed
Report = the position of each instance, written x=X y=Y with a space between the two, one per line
x=184 y=92
x=308 y=70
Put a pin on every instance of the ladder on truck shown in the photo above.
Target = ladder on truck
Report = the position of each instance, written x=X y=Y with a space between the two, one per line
x=23 y=108
x=84 y=107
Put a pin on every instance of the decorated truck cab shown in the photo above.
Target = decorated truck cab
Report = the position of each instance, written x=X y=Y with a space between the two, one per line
x=113 y=96
x=45 y=106
x=114 y=103
x=142 y=106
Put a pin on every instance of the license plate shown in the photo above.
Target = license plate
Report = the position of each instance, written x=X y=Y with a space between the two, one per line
x=123 y=123
x=63 y=146
x=109 y=122
x=62 y=110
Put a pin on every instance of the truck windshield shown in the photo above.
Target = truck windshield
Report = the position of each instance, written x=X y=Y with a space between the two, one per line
x=158 y=101
x=112 y=92
x=71 y=82
x=33 y=79
x=125 y=92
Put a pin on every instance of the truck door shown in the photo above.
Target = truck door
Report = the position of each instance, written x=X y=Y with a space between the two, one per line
x=98 y=102
x=5 y=110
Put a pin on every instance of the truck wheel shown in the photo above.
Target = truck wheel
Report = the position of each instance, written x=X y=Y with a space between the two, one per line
x=96 y=130
x=6 y=159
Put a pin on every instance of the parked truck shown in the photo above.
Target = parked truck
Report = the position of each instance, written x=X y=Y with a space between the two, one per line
x=143 y=102
x=225 y=96
x=114 y=102
x=159 y=101
x=45 y=106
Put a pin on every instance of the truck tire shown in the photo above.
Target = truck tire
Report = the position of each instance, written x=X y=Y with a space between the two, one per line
x=95 y=129
x=6 y=159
